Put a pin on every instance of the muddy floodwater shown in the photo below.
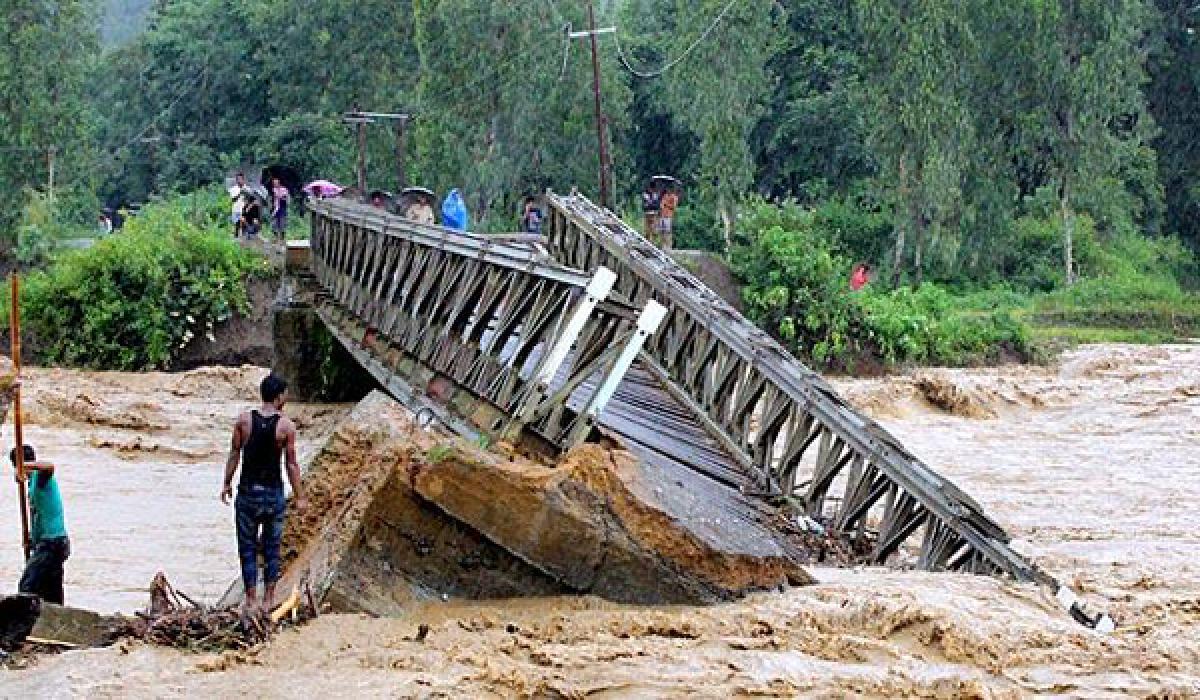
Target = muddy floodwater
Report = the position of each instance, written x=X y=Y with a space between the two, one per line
x=1093 y=465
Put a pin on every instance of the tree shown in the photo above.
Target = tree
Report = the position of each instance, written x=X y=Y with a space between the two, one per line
x=1090 y=112
x=918 y=58
x=811 y=140
x=719 y=88
x=501 y=113
x=1174 y=99
x=44 y=119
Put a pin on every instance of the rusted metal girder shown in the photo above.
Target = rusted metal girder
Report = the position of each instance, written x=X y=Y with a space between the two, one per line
x=491 y=338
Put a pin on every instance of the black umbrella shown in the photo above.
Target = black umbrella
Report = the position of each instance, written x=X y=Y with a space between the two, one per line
x=410 y=191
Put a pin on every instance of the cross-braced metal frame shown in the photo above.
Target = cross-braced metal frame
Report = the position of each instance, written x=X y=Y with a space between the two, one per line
x=503 y=337
x=798 y=439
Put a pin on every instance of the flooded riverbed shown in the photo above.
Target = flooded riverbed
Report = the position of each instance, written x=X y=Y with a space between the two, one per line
x=1094 y=466
x=140 y=459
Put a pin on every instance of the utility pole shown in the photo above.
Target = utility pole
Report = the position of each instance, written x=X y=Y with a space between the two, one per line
x=401 y=149
x=50 y=166
x=361 y=120
x=601 y=120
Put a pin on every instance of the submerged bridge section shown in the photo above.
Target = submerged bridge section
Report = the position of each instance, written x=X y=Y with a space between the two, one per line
x=597 y=332
x=797 y=438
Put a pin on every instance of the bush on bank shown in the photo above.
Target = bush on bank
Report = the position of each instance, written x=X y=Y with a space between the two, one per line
x=137 y=298
x=795 y=265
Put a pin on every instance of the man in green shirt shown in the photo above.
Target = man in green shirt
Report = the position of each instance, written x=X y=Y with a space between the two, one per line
x=43 y=575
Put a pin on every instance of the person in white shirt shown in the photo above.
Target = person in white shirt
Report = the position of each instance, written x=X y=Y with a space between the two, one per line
x=235 y=194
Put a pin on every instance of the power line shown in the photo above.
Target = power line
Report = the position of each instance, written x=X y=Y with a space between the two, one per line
x=678 y=59
x=196 y=81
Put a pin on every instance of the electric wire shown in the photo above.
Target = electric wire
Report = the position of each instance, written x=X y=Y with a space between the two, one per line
x=678 y=59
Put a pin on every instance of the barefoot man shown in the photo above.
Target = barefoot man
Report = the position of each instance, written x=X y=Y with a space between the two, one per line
x=260 y=438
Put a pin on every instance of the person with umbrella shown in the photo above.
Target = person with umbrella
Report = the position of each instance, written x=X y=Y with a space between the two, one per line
x=650 y=203
x=420 y=205
x=320 y=189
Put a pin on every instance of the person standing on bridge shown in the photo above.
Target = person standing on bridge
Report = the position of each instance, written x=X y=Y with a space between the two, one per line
x=421 y=210
x=531 y=217
x=666 y=218
x=454 y=211
x=237 y=193
x=279 y=212
x=260 y=438
x=650 y=204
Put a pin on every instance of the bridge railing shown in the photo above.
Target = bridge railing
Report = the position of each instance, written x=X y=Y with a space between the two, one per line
x=796 y=437
x=504 y=336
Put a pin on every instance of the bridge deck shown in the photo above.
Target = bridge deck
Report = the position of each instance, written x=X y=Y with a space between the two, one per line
x=688 y=472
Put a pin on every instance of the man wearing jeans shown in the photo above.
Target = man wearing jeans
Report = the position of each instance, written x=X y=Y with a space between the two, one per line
x=43 y=574
x=260 y=438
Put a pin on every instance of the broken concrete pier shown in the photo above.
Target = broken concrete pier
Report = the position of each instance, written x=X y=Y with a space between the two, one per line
x=398 y=513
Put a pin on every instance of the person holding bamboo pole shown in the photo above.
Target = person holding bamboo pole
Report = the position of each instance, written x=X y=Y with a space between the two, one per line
x=50 y=546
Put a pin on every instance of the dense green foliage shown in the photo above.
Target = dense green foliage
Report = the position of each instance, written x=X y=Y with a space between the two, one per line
x=135 y=300
x=45 y=121
x=797 y=286
x=950 y=118
x=794 y=262
x=1045 y=147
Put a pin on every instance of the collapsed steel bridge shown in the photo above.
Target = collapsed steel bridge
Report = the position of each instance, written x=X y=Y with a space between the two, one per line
x=597 y=331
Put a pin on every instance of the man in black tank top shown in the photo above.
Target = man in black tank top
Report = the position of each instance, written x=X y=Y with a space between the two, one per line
x=260 y=438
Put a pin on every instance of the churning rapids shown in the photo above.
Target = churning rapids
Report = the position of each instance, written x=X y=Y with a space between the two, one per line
x=1093 y=466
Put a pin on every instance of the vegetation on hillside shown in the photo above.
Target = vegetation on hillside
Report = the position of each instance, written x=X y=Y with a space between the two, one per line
x=793 y=261
x=1036 y=150
x=136 y=299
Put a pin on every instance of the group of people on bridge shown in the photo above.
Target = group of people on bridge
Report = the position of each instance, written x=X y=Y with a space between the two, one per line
x=247 y=204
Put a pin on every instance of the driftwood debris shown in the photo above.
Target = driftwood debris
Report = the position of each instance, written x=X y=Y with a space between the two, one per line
x=176 y=620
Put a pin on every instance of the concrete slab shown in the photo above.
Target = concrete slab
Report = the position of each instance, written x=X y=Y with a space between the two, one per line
x=399 y=514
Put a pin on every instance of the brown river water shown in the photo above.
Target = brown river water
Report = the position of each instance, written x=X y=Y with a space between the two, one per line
x=1092 y=465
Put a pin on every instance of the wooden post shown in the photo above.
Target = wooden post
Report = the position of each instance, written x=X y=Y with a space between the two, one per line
x=362 y=160
x=401 y=148
x=600 y=119
x=15 y=335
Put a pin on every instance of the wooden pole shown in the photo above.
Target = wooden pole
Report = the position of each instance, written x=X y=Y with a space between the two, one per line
x=15 y=335
x=401 y=148
x=600 y=135
x=362 y=161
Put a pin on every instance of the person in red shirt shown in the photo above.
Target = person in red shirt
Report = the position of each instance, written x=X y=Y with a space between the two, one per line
x=860 y=277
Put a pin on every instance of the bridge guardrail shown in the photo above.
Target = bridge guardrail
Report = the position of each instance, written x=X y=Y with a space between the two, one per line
x=520 y=333
x=771 y=409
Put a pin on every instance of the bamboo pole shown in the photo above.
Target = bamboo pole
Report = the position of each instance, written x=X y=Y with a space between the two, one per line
x=14 y=319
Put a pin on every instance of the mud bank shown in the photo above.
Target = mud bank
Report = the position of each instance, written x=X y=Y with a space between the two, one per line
x=400 y=514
